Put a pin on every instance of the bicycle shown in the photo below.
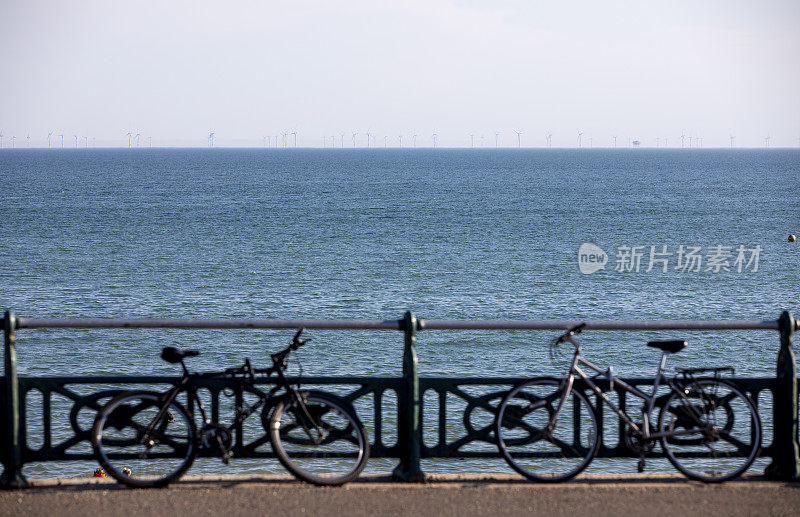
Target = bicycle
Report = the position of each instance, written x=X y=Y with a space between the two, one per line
x=547 y=430
x=148 y=439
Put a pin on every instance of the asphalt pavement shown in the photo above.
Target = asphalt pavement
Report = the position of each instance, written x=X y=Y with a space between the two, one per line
x=441 y=496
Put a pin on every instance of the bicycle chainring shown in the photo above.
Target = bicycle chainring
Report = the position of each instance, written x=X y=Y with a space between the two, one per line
x=216 y=438
x=635 y=443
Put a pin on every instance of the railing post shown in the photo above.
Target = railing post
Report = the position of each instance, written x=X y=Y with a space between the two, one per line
x=409 y=432
x=12 y=469
x=785 y=458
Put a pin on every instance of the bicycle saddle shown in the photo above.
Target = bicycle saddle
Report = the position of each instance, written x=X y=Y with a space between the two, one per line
x=172 y=355
x=669 y=347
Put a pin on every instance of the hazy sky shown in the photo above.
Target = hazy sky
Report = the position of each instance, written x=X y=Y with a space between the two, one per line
x=175 y=70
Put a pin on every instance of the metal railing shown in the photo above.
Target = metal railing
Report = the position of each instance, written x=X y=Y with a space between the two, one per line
x=474 y=440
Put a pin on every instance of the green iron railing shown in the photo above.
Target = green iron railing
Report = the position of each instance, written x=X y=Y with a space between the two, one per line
x=24 y=440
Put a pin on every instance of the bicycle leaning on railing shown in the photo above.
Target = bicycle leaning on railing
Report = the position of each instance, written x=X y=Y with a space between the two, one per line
x=547 y=430
x=148 y=439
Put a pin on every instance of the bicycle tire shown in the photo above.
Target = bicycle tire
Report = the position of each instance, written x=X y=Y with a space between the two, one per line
x=518 y=416
x=330 y=461
x=117 y=434
x=704 y=399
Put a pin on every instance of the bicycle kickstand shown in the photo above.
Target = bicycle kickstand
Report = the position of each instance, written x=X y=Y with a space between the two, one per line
x=227 y=454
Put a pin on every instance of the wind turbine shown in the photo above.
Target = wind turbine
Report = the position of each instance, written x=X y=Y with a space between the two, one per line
x=368 y=133
x=342 y=135
x=434 y=140
x=62 y=139
x=28 y=138
x=138 y=140
x=400 y=137
x=682 y=137
x=1 y=140
x=415 y=140
x=590 y=143
x=481 y=140
x=495 y=139
x=283 y=136
x=48 y=138
x=658 y=142
x=385 y=141
x=471 y=140
x=519 y=138
x=294 y=134
x=732 y=137
x=615 y=141
x=128 y=134
x=76 y=141
x=549 y=139
x=766 y=140
x=580 y=134
x=86 y=142
x=12 y=140
x=211 y=135
x=354 y=140
x=690 y=141
x=150 y=142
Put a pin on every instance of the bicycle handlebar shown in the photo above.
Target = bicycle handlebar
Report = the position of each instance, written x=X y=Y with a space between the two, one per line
x=571 y=332
x=280 y=357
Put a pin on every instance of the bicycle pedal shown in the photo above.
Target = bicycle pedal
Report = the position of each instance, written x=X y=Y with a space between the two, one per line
x=226 y=457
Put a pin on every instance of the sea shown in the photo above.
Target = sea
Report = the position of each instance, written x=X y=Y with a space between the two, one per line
x=371 y=233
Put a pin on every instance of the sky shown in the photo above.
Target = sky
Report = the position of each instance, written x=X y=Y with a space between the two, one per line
x=174 y=71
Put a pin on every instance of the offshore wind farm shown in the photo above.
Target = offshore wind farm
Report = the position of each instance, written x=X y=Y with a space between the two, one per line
x=523 y=139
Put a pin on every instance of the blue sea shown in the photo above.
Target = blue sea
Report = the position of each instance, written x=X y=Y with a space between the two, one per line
x=369 y=234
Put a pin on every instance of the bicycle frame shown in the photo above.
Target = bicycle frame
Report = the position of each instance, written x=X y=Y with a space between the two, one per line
x=649 y=400
x=242 y=413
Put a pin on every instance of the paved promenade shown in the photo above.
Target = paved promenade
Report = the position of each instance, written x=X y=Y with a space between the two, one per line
x=443 y=495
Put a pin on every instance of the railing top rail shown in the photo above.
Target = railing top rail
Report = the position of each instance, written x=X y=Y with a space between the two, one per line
x=600 y=324
x=431 y=324
x=206 y=323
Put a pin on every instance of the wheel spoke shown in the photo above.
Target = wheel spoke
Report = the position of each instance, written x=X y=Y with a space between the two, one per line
x=540 y=444
x=121 y=448
x=714 y=450
x=331 y=448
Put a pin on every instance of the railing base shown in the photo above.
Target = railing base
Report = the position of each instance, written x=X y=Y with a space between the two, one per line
x=405 y=475
x=13 y=481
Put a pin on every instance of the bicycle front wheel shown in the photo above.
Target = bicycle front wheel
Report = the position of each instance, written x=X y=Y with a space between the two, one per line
x=142 y=444
x=319 y=438
x=539 y=444
x=712 y=431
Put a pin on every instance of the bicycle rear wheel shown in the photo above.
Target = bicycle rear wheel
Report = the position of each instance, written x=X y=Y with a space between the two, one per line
x=139 y=445
x=715 y=431
x=319 y=440
x=537 y=444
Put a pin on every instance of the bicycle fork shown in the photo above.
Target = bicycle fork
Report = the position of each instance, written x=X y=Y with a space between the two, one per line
x=307 y=417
